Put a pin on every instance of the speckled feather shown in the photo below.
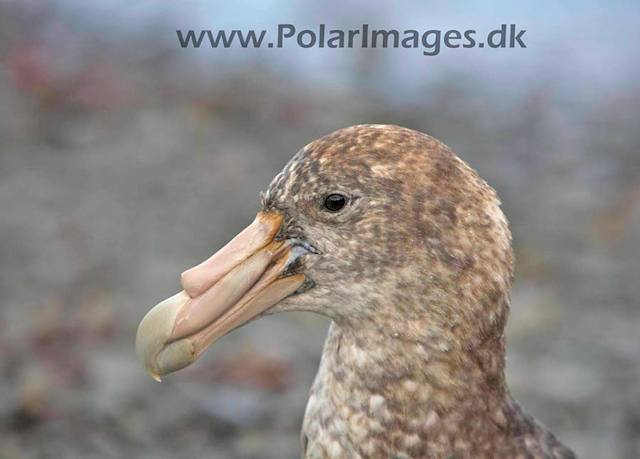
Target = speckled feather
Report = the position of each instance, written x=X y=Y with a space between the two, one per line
x=416 y=273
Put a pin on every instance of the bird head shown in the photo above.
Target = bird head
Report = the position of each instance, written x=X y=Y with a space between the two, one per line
x=369 y=225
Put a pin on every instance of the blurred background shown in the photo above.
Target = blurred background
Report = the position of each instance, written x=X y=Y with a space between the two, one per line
x=125 y=159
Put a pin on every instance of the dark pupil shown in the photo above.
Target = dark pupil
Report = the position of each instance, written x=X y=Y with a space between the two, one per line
x=335 y=202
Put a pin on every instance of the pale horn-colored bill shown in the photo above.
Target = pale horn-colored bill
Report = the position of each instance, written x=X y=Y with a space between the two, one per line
x=242 y=280
x=255 y=236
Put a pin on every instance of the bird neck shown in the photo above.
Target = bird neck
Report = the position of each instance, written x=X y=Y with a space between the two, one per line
x=411 y=356
x=409 y=377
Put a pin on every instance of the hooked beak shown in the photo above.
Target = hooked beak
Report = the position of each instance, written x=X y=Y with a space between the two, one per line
x=236 y=284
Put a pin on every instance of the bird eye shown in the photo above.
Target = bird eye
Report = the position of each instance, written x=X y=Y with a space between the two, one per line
x=335 y=202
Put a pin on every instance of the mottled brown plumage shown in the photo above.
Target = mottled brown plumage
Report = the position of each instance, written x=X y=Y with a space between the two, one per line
x=414 y=267
x=416 y=273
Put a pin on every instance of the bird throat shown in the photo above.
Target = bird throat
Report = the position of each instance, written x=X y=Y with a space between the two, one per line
x=408 y=381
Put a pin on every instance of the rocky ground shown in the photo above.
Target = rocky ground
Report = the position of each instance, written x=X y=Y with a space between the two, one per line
x=104 y=200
